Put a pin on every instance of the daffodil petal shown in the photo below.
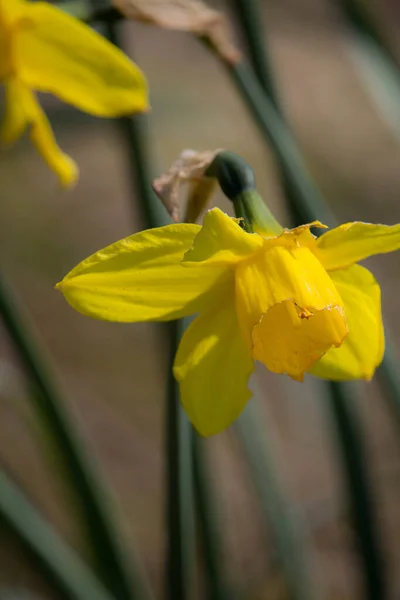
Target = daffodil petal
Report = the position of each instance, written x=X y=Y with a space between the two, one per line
x=15 y=119
x=298 y=236
x=349 y=243
x=289 y=309
x=222 y=241
x=140 y=278
x=213 y=366
x=23 y=109
x=362 y=350
x=61 y=55
x=12 y=12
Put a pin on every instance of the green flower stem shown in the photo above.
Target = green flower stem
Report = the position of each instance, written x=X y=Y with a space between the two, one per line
x=389 y=379
x=237 y=181
x=180 y=497
x=257 y=218
x=307 y=204
x=305 y=201
x=362 y=21
x=276 y=133
x=180 y=515
x=291 y=541
x=291 y=544
x=216 y=588
x=351 y=446
x=135 y=131
x=68 y=573
x=375 y=64
x=125 y=582
x=250 y=18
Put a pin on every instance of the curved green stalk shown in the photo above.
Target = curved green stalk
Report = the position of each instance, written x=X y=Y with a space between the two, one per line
x=361 y=20
x=276 y=133
x=250 y=18
x=216 y=587
x=306 y=201
x=360 y=495
x=375 y=65
x=288 y=533
x=236 y=179
x=68 y=573
x=124 y=581
x=179 y=477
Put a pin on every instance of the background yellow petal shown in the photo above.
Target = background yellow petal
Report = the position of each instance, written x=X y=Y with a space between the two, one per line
x=222 y=240
x=12 y=12
x=362 y=350
x=352 y=242
x=213 y=365
x=61 y=55
x=140 y=278
x=23 y=109
x=15 y=118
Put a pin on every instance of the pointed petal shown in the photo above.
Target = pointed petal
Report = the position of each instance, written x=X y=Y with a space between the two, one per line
x=349 y=243
x=213 y=365
x=222 y=241
x=289 y=309
x=140 y=278
x=23 y=109
x=15 y=118
x=59 y=54
x=362 y=350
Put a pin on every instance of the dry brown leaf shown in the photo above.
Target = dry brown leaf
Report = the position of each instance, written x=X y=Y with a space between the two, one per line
x=189 y=168
x=184 y=15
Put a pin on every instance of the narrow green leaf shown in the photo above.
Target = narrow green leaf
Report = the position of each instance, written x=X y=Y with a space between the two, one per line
x=285 y=523
x=118 y=572
x=179 y=479
x=210 y=534
x=307 y=204
x=68 y=573
x=361 y=497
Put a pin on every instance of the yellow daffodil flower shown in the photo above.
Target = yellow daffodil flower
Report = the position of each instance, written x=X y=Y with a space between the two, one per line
x=292 y=301
x=43 y=49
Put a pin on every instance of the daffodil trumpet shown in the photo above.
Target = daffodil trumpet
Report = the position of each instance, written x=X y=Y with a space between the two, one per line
x=295 y=302
x=44 y=49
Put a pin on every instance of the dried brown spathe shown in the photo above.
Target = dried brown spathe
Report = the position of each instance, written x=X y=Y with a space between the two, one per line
x=184 y=15
x=188 y=168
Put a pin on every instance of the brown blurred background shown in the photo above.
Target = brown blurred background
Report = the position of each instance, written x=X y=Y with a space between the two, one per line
x=114 y=375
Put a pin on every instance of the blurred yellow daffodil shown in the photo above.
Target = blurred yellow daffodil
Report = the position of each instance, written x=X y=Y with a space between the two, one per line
x=46 y=50
x=292 y=301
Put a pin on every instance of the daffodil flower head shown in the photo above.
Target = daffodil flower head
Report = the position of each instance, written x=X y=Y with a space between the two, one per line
x=43 y=49
x=297 y=303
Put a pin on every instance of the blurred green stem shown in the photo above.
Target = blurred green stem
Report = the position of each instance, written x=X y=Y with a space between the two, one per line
x=250 y=18
x=360 y=494
x=306 y=201
x=206 y=503
x=70 y=576
x=179 y=476
x=292 y=545
x=307 y=205
x=125 y=582
x=276 y=133
x=180 y=509
x=362 y=21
